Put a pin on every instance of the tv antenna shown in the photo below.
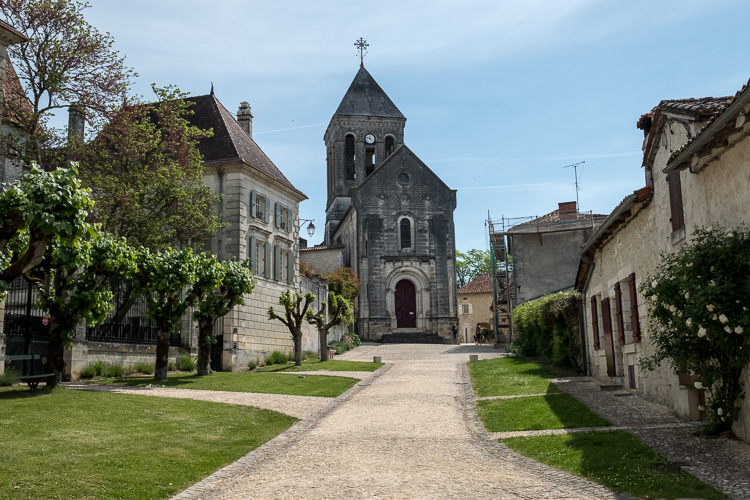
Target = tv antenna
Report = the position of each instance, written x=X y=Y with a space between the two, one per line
x=575 y=171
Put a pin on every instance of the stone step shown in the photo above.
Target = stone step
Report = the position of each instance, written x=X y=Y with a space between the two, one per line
x=413 y=338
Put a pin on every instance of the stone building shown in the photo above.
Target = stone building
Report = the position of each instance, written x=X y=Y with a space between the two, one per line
x=393 y=216
x=696 y=173
x=10 y=89
x=546 y=250
x=474 y=306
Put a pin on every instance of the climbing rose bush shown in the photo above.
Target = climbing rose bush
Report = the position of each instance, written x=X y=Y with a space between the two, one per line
x=699 y=301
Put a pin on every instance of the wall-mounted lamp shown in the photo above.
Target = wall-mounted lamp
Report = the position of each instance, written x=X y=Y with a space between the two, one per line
x=310 y=226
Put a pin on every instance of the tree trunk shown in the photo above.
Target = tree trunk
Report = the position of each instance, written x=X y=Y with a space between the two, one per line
x=205 y=329
x=55 y=353
x=323 y=340
x=298 y=348
x=162 y=355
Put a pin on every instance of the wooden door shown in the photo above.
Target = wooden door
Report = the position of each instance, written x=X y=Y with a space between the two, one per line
x=609 y=346
x=406 y=305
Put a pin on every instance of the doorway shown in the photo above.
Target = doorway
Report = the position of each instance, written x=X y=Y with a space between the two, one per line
x=406 y=304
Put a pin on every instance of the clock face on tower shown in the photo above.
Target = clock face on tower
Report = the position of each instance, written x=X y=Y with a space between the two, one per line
x=370 y=139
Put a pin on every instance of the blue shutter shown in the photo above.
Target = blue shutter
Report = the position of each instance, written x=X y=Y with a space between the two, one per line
x=277 y=262
x=268 y=209
x=253 y=256
x=277 y=218
x=290 y=217
x=253 y=203
x=267 y=270
x=290 y=267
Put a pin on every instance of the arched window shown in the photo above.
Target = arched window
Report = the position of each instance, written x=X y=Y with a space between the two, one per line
x=349 y=157
x=369 y=161
x=405 y=228
x=388 y=145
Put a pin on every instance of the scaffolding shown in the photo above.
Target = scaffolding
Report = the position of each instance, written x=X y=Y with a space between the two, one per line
x=503 y=290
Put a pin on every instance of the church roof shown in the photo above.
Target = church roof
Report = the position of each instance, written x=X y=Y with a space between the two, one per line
x=366 y=98
x=404 y=155
x=230 y=142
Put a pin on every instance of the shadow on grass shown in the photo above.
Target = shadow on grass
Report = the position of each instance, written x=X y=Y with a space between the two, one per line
x=19 y=392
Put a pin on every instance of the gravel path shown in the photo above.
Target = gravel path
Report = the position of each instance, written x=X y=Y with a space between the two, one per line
x=409 y=431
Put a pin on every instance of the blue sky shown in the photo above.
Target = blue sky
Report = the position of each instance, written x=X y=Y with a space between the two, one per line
x=499 y=95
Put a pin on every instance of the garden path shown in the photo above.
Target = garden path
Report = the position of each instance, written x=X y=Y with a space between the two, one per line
x=408 y=431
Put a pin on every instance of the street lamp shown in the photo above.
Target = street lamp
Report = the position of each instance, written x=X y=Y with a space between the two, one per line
x=310 y=226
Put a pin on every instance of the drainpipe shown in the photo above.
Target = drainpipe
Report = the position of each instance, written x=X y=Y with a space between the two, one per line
x=585 y=334
x=219 y=252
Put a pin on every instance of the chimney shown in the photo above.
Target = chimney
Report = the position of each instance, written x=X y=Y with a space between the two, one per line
x=245 y=118
x=567 y=210
x=76 y=123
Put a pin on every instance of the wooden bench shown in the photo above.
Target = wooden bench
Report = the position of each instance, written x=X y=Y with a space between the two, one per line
x=30 y=378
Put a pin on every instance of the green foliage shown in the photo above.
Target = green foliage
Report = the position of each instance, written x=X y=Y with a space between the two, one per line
x=347 y=343
x=471 y=264
x=699 y=318
x=146 y=174
x=9 y=377
x=113 y=371
x=145 y=368
x=185 y=363
x=276 y=358
x=252 y=365
x=38 y=208
x=548 y=329
x=65 y=61
x=344 y=282
x=310 y=355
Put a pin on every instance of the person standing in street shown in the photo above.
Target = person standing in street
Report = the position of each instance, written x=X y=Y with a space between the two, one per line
x=454 y=332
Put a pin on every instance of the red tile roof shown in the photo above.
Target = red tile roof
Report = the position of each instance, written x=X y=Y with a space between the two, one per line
x=480 y=284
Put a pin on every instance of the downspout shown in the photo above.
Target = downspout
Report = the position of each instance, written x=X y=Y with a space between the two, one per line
x=219 y=252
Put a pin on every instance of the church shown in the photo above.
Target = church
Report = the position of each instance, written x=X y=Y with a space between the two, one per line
x=388 y=217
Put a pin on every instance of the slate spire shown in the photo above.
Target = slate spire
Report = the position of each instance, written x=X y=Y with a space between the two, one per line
x=366 y=98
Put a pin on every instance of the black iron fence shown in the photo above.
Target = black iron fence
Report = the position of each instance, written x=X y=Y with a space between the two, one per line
x=26 y=329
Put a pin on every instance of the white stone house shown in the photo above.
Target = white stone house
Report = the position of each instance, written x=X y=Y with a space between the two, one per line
x=695 y=159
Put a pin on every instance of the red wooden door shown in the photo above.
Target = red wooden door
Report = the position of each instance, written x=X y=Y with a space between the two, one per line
x=406 y=305
x=609 y=346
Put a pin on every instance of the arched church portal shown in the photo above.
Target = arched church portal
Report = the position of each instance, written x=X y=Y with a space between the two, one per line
x=406 y=304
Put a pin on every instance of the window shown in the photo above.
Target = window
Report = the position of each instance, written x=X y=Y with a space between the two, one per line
x=283 y=218
x=369 y=161
x=675 y=201
x=257 y=256
x=405 y=233
x=635 y=324
x=466 y=308
x=260 y=206
x=389 y=143
x=594 y=322
x=403 y=178
x=349 y=157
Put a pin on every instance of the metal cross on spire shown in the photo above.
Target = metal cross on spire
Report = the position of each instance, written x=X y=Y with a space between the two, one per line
x=361 y=45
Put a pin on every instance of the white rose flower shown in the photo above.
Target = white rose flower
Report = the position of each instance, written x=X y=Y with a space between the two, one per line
x=701 y=332
x=728 y=329
x=709 y=229
x=653 y=284
x=672 y=309
x=710 y=307
x=698 y=385
x=714 y=317
x=654 y=298
x=679 y=314
x=723 y=318
x=730 y=234
x=689 y=322
x=738 y=329
x=687 y=295
x=719 y=412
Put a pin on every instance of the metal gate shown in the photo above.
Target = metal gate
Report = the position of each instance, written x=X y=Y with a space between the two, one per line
x=24 y=328
x=217 y=349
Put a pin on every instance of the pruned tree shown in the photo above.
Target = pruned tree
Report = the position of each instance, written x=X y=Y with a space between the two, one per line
x=345 y=282
x=162 y=277
x=65 y=61
x=145 y=171
x=38 y=208
x=219 y=287
x=295 y=312
x=73 y=283
x=339 y=312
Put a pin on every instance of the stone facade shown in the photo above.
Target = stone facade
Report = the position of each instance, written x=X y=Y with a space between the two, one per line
x=474 y=306
x=392 y=215
x=324 y=259
x=648 y=222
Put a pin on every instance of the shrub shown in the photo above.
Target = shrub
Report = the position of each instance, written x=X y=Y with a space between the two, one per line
x=310 y=355
x=112 y=371
x=10 y=377
x=88 y=371
x=129 y=370
x=98 y=367
x=143 y=367
x=171 y=366
x=276 y=358
x=252 y=365
x=185 y=363
x=548 y=329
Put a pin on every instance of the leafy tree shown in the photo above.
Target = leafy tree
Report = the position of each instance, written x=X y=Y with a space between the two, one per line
x=295 y=311
x=146 y=174
x=38 y=208
x=345 y=282
x=340 y=312
x=66 y=61
x=471 y=264
x=218 y=288
x=73 y=285
x=161 y=277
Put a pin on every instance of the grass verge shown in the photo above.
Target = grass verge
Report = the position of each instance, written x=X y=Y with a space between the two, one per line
x=316 y=364
x=560 y=411
x=78 y=444
x=617 y=460
x=267 y=383
x=510 y=376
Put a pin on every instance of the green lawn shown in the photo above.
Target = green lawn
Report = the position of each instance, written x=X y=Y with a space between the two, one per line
x=617 y=460
x=268 y=383
x=559 y=411
x=510 y=376
x=316 y=364
x=80 y=444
